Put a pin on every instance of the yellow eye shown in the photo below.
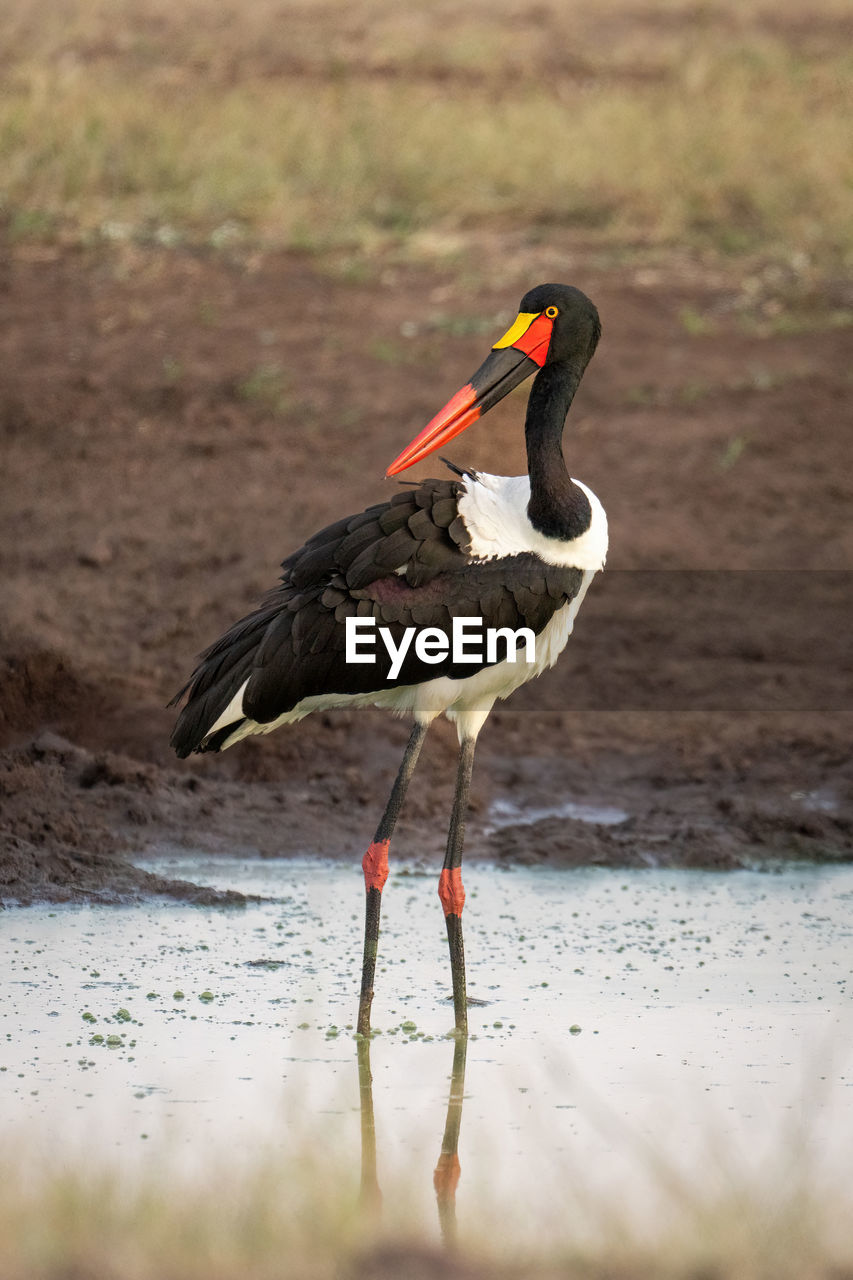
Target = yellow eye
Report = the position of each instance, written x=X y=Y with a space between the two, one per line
x=551 y=312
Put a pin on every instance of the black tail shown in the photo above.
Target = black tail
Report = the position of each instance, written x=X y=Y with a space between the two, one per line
x=223 y=668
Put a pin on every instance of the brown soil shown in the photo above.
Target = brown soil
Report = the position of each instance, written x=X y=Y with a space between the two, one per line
x=173 y=423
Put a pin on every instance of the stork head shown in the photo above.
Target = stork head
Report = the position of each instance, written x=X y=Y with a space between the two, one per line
x=556 y=324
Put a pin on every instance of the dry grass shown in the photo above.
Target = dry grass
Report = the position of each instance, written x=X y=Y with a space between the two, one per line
x=302 y=1222
x=720 y=125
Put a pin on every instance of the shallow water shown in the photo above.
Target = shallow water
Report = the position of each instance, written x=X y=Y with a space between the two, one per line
x=506 y=813
x=643 y=1032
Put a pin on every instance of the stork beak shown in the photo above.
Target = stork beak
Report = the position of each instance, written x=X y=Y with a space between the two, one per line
x=519 y=353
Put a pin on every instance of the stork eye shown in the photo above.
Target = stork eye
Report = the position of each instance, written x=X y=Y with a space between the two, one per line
x=551 y=312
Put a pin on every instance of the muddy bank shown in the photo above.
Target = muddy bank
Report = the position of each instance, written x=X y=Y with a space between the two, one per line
x=168 y=437
x=73 y=819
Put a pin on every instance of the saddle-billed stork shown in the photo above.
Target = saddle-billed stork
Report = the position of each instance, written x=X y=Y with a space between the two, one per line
x=513 y=551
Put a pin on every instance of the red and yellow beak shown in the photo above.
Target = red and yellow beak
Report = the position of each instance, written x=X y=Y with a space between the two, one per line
x=518 y=354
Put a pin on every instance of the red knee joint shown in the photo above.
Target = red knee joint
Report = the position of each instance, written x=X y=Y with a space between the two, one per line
x=446 y=1176
x=451 y=892
x=374 y=864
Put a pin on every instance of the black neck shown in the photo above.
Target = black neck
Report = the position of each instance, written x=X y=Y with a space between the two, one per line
x=558 y=508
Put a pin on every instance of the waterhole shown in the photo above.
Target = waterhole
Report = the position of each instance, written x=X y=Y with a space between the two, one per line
x=635 y=1032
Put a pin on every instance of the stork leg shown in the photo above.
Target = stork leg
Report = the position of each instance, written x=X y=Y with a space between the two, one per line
x=447 y=1171
x=450 y=888
x=375 y=867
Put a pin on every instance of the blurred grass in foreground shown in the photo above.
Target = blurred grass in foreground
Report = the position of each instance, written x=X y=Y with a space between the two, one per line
x=305 y=1223
x=724 y=125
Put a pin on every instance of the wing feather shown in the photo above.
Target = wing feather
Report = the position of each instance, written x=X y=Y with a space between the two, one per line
x=293 y=645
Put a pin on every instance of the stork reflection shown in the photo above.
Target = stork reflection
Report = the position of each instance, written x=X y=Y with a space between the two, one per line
x=370 y=1195
x=447 y=1170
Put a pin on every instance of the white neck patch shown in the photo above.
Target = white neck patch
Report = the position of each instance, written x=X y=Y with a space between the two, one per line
x=494 y=509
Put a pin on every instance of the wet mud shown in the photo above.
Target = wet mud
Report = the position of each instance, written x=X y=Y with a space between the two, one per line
x=169 y=435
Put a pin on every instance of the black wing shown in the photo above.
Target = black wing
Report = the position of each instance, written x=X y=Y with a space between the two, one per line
x=404 y=563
